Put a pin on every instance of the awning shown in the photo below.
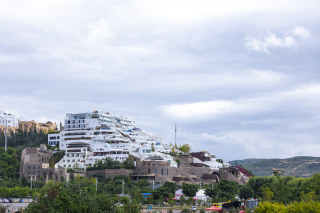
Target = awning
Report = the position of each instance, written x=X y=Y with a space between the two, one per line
x=214 y=208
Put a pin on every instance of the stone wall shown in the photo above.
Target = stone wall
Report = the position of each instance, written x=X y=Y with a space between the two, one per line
x=111 y=172
x=226 y=175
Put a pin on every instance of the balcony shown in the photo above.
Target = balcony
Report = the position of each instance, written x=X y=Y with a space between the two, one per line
x=74 y=150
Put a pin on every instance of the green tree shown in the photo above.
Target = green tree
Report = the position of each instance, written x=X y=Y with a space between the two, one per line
x=190 y=201
x=229 y=189
x=128 y=163
x=267 y=194
x=245 y=192
x=182 y=201
x=185 y=148
x=24 y=181
x=189 y=190
x=152 y=147
x=171 y=185
x=170 y=200
x=72 y=178
x=178 y=162
x=132 y=207
x=149 y=199
x=99 y=176
x=161 y=192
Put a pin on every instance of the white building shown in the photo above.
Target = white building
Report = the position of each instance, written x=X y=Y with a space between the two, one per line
x=200 y=195
x=13 y=120
x=88 y=137
x=53 y=139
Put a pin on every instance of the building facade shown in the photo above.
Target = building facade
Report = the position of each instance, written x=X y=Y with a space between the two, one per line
x=11 y=120
x=34 y=163
x=32 y=125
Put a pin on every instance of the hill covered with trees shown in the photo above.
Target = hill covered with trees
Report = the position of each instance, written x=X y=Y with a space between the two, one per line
x=301 y=166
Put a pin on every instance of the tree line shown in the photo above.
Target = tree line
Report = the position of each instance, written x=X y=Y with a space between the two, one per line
x=24 y=138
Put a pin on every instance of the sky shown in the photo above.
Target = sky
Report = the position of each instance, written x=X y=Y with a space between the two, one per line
x=240 y=79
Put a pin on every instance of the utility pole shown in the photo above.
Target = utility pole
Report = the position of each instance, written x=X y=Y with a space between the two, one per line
x=5 y=137
x=31 y=182
x=123 y=188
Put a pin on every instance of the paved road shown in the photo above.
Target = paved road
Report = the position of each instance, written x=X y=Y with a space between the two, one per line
x=15 y=206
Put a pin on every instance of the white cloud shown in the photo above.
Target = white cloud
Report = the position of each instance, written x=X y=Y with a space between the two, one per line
x=100 y=31
x=265 y=42
x=301 y=32
x=297 y=99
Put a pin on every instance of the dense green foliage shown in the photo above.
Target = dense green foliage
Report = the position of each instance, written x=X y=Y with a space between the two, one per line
x=109 y=163
x=285 y=189
x=294 y=207
x=189 y=190
x=74 y=198
x=24 y=138
x=302 y=166
x=223 y=191
x=55 y=158
x=9 y=163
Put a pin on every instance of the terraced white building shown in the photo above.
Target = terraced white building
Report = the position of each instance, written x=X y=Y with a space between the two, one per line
x=92 y=136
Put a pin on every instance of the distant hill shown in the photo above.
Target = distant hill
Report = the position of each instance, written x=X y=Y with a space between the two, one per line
x=302 y=166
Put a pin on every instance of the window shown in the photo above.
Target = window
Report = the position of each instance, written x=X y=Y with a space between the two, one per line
x=29 y=172
x=155 y=171
x=167 y=171
x=67 y=155
x=29 y=167
x=149 y=171
x=161 y=171
x=33 y=172
x=34 y=167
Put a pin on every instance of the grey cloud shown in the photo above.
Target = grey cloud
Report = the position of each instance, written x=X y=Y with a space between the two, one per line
x=139 y=58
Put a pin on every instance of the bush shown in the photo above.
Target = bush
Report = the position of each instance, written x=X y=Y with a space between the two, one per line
x=291 y=208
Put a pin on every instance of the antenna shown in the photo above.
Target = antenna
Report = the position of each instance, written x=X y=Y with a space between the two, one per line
x=175 y=134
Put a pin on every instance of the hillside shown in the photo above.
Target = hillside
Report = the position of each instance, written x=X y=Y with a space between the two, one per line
x=302 y=166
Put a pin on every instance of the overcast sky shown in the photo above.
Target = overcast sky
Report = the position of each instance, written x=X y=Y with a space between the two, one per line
x=240 y=79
